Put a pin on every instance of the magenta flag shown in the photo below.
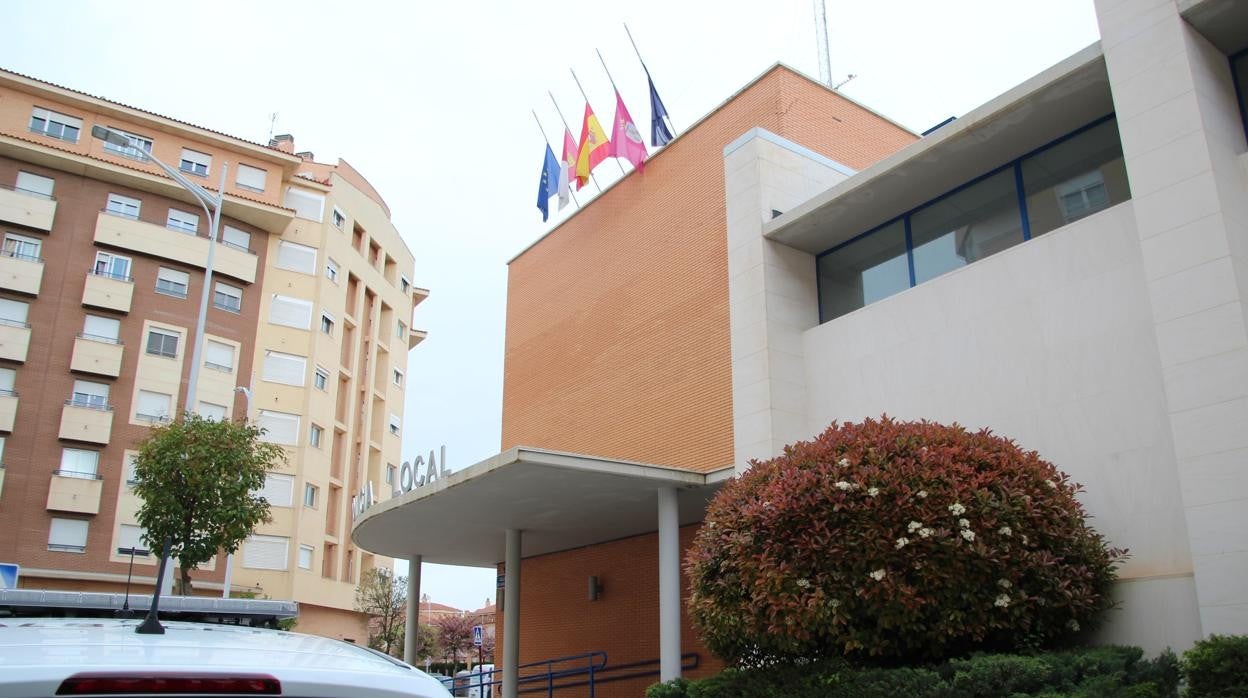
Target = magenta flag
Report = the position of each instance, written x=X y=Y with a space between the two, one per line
x=626 y=141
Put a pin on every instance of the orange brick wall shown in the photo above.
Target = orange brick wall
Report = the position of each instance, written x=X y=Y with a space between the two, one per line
x=617 y=321
x=557 y=618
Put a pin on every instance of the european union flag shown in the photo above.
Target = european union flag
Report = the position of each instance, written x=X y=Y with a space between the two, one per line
x=549 y=186
x=659 y=133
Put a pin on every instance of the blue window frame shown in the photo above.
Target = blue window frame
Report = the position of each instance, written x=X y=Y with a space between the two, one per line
x=1054 y=185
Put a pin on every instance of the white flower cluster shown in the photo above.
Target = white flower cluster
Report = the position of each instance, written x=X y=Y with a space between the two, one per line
x=834 y=603
x=921 y=494
x=914 y=526
x=878 y=575
x=844 y=486
x=1002 y=601
x=1073 y=625
x=1052 y=485
x=1005 y=531
x=844 y=462
x=968 y=534
x=1004 y=583
x=925 y=532
x=902 y=542
x=802 y=583
x=871 y=492
x=957 y=509
x=964 y=523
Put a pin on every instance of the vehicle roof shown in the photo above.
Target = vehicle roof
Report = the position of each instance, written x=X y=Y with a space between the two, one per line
x=41 y=652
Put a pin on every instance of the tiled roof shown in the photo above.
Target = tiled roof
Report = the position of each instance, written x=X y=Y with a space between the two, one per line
x=144 y=111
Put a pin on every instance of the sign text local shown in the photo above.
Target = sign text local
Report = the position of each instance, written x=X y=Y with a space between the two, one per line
x=410 y=478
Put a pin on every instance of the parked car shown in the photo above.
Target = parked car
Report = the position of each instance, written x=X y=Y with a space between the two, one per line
x=81 y=654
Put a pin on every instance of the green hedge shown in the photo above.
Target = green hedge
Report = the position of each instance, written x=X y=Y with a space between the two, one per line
x=1217 y=666
x=1097 y=672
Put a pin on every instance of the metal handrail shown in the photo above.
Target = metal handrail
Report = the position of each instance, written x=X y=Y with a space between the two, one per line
x=99 y=338
x=79 y=474
x=24 y=257
x=28 y=192
x=88 y=405
x=549 y=681
x=111 y=275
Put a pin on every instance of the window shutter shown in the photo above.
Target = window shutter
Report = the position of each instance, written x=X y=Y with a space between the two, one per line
x=219 y=355
x=153 y=405
x=238 y=238
x=265 y=552
x=280 y=427
x=296 y=257
x=250 y=177
x=305 y=203
x=35 y=184
x=68 y=533
x=291 y=312
x=131 y=536
x=305 y=557
x=15 y=311
x=278 y=489
x=102 y=327
x=284 y=368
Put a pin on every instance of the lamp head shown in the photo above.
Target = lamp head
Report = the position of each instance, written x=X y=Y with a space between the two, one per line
x=108 y=135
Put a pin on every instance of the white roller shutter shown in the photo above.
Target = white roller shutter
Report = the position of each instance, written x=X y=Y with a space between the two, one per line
x=278 y=489
x=219 y=356
x=250 y=177
x=306 y=204
x=291 y=312
x=280 y=427
x=68 y=534
x=296 y=257
x=265 y=552
x=284 y=368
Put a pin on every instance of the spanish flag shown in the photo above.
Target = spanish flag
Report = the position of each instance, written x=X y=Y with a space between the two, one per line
x=595 y=147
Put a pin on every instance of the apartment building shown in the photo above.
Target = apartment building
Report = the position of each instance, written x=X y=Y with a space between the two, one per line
x=1064 y=264
x=101 y=276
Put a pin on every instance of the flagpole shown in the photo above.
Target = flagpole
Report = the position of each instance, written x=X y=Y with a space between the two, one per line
x=539 y=128
x=582 y=89
x=569 y=130
x=642 y=61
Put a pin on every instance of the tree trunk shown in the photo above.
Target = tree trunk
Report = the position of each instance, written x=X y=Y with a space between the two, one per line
x=184 y=581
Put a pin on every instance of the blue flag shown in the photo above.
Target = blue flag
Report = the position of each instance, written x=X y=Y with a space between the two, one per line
x=659 y=133
x=549 y=186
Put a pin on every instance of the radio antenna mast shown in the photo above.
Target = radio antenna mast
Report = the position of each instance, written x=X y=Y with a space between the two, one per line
x=821 y=43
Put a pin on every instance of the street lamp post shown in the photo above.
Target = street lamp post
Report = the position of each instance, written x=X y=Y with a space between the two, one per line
x=212 y=208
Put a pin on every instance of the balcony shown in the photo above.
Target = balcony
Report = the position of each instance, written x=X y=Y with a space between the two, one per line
x=110 y=292
x=83 y=422
x=26 y=209
x=74 y=492
x=415 y=337
x=14 y=340
x=20 y=273
x=159 y=241
x=8 y=409
x=98 y=355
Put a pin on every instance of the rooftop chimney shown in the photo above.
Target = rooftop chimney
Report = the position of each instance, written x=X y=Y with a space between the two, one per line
x=305 y=156
x=284 y=142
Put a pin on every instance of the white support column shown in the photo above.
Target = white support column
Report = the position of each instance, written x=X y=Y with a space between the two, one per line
x=669 y=584
x=412 y=628
x=511 y=616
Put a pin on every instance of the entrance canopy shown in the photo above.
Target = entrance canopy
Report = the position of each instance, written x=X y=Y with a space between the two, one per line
x=559 y=500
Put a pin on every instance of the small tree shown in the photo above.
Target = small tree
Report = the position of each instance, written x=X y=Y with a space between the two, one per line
x=383 y=596
x=896 y=541
x=197 y=479
x=454 y=634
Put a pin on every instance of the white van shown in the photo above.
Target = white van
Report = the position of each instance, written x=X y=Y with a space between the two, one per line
x=477 y=682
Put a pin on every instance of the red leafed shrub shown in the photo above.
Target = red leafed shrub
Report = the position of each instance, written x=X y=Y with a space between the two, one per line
x=894 y=541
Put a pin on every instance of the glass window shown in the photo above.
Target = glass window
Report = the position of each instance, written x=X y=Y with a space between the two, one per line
x=321 y=379
x=137 y=144
x=68 y=535
x=331 y=271
x=314 y=436
x=339 y=219
x=327 y=324
x=305 y=557
x=390 y=470
x=132 y=463
x=1075 y=178
x=398 y=378
x=22 y=247
x=90 y=394
x=972 y=224
x=309 y=495
x=404 y=284
x=238 y=239
x=130 y=536
x=401 y=330
x=112 y=266
x=55 y=125
x=863 y=271
x=35 y=185
x=227 y=297
x=195 y=162
x=172 y=282
x=80 y=463
x=182 y=221
x=124 y=206
x=8 y=378
x=395 y=424
x=163 y=343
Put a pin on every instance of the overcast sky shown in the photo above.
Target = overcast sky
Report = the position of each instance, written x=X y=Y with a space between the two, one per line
x=431 y=102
